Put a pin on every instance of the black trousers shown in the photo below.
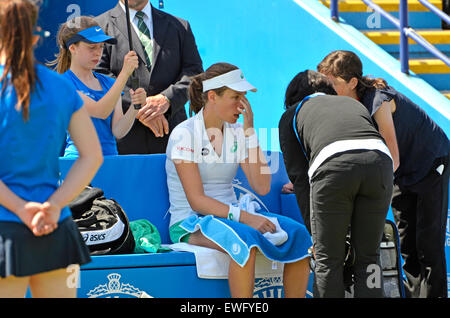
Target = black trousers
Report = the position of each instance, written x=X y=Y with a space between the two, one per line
x=352 y=189
x=420 y=212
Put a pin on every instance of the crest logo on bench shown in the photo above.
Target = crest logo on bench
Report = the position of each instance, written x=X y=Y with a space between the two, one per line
x=115 y=289
x=268 y=287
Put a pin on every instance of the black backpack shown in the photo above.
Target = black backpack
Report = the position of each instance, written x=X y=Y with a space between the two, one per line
x=102 y=222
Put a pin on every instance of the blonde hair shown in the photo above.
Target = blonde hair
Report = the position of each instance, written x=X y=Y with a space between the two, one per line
x=66 y=31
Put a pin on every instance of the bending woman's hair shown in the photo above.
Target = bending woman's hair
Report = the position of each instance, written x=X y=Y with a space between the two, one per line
x=346 y=65
x=17 y=21
x=304 y=84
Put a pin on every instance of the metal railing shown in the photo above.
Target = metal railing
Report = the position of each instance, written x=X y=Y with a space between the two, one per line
x=405 y=30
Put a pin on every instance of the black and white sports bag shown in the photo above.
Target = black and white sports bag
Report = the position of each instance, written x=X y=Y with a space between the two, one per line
x=102 y=222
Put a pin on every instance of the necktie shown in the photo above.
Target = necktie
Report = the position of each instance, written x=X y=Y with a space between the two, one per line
x=145 y=37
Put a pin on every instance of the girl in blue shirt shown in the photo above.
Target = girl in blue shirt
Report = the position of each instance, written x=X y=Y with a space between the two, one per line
x=80 y=51
x=40 y=245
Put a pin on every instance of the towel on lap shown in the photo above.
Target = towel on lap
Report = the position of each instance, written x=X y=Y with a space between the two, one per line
x=237 y=239
x=279 y=236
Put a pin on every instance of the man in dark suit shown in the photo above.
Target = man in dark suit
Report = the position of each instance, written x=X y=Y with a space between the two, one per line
x=168 y=58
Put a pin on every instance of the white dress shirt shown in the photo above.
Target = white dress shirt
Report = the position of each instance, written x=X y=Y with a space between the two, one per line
x=147 y=17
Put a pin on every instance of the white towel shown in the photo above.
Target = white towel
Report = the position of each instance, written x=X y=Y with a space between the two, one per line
x=213 y=264
x=276 y=238
x=210 y=263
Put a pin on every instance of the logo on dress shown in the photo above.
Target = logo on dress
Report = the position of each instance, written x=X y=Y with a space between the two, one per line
x=234 y=147
x=115 y=289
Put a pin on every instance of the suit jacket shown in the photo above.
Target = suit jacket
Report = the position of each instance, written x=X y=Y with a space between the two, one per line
x=175 y=60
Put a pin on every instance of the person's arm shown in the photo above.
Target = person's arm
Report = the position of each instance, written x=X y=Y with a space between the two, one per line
x=84 y=136
x=296 y=166
x=255 y=165
x=257 y=171
x=121 y=124
x=155 y=106
x=383 y=118
x=105 y=106
x=10 y=200
x=30 y=213
x=302 y=190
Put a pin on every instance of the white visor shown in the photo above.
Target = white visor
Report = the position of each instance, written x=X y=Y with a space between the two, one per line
x=234 y=80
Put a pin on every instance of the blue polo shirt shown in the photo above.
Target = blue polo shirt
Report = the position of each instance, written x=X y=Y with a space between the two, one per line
x=102 y=126
x=30 y=149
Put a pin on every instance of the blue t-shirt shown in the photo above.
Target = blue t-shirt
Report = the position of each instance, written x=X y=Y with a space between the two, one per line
x=30 y=150
x=102 y=126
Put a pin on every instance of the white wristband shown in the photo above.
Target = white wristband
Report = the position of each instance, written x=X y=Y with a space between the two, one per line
x=251 y=141
x=234 y=213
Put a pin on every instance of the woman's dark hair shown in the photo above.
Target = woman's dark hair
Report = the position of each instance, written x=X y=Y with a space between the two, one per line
x=18 y=19
x=346 y=65
x=306 y=83
x=198 y=98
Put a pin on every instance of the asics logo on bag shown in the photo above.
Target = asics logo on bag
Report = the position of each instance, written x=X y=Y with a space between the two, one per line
x=93 y=237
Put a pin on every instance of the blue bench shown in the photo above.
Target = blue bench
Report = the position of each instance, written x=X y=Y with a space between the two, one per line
x=138 y=183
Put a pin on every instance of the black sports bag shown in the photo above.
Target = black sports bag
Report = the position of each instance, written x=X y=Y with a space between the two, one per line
x=102 y=222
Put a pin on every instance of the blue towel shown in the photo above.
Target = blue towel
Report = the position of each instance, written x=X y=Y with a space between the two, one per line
x=237 y=238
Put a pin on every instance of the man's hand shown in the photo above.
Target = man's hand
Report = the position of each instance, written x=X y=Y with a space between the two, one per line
x=159 y=125
x=156 y=105
x=288 y=188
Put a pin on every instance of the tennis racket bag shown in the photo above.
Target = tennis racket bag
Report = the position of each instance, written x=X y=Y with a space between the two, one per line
x=102 y=222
